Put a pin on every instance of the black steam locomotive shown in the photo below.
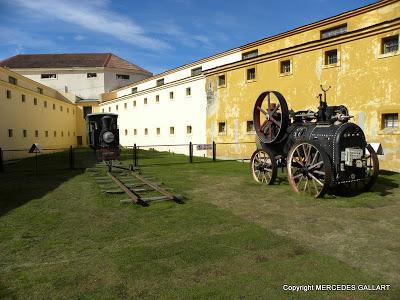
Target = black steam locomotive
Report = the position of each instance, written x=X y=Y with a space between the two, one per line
x=320 y=149
x=103 y=135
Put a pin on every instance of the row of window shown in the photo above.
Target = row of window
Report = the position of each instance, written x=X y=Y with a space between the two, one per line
x=88 y=75
x=249 y=127
x=389 y=45
x=145 y=100
x=189 y=130
x=24 y=133
x=35 y=101
x=14 y=81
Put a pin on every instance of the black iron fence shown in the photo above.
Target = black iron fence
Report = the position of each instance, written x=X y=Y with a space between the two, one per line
x=138 y=155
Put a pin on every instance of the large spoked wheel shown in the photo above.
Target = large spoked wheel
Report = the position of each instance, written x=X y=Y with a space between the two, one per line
x=263 y=166
x=372 y=169
x=270 y=116
x=309 y=169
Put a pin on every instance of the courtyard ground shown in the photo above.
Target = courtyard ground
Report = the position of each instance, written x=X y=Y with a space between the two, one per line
x=61 y=237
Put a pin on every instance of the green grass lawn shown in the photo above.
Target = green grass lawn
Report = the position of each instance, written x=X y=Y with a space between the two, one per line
x=60 y=237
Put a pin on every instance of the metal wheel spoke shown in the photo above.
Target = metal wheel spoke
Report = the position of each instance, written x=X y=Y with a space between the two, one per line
x=276 y=108
x=316 y=179
x=319 y=172
x=263 y=111
x=315 y=165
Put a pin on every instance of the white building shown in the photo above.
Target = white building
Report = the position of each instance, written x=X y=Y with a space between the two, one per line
x=168 y=108
x=84 y=75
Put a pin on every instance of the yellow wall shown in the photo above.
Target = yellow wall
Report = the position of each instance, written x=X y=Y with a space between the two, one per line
x=18 y=116
x=364 y=80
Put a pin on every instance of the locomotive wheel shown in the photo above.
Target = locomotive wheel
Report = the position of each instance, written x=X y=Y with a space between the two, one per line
x=309 y=169
x=263 y=166
x=271 y=117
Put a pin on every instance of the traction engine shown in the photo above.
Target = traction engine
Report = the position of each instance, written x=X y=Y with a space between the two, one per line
x=320 y=149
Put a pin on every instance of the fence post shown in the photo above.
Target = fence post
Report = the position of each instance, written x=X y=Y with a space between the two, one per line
x=214 y=151
x=71 y=158
x=190 y=152
x=1 y=161
x=135 y=158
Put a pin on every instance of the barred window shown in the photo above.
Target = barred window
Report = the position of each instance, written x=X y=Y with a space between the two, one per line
x=134 y=90
x=330 y=32
x=250 y=54
x=189 y=129
x=221 y=80
x=12 y=80
x=250 y=126
x=158 y=130
x=157 y=98
x=172 y=130
x=285 y=67
x=221 y=127
x=196 y=71
x=390 y=44
x=188 y=91
x=251 y=74
x=390 y=120
x=171 y=95
x=331 y=57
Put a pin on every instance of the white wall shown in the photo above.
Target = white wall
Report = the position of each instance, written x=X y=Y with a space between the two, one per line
x=180 y=112
x=78 y=83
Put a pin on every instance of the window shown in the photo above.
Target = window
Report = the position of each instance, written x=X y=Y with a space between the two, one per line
x=91 y=75
x=125 y=105
x=250 y=126
x=172 y=130
x=36 y=133
x=34 y=101
x=331 y=57
x=157 y=98
x=8 y=94
x=189 y=129
x=46 y=133
x=73 y=111
x=55 y=133
x=68 y=133
x=285 y=67
x=135 y=131
x=171 y=95
x=116 y=107
x=188 y=91
x=134 y=90
x=196 y=71
x=67 y=110
x=390 y=44
x=48 y=76
x=54 y=106
x=86 y=111
x=102 y=110
x=221 y=127
x=126 y=131
x=145 y=101
x=160 y=82
x=158 y=130
x=10 y=133
x=250 y=54
x=45 y=103
x=146 y=131
x=12 y=80
x=122 y=76
x=61 y=108
x=62 y=133
x=23 y=98
x=251 y=74
x=330 y=32
x=109 y=109
x=24 y=133
x=390 y=120
x=221 y=80
x=40 y=90
x=134 y=103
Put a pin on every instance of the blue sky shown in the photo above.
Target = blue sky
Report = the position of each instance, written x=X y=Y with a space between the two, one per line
x=157 y=35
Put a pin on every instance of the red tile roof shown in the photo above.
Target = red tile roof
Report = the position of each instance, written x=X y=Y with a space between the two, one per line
x=70 y=60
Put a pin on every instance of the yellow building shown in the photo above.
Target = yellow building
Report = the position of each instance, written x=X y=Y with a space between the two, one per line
x=34 y=113
x=357 y=53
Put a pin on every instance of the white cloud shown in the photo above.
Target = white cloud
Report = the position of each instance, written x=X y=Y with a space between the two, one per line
x=79 y=37
x=95 y=16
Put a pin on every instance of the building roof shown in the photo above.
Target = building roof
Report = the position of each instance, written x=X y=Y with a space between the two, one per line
x=69 y=60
